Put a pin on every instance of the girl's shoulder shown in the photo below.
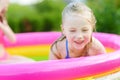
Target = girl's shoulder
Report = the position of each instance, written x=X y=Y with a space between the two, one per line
x=58 y=42
x=58 y=47
x=96 y=47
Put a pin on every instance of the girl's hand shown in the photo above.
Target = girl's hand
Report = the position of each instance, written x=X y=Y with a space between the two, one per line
x=2 y=14
x=3 y=11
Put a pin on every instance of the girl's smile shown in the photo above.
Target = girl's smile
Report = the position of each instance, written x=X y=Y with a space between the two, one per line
x=79 y=45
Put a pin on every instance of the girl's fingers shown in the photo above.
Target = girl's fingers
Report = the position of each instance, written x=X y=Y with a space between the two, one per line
x=3 y=11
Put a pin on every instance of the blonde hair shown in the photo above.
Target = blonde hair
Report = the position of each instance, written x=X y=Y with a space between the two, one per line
x=79 y=9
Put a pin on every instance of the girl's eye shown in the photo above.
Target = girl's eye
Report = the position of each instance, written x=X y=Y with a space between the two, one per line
x=85 y=30
x=72 y=30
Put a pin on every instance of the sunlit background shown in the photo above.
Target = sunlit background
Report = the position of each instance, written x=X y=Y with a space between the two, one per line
x=45 y=15
x=24 y=2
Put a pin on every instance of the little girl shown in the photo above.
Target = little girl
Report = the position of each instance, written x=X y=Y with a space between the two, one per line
x=78 y=23
x=6 y=30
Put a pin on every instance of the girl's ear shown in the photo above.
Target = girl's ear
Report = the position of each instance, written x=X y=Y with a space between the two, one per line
x=61 y=27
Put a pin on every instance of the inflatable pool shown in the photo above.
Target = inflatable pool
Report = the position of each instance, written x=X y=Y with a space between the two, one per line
x=36 y=46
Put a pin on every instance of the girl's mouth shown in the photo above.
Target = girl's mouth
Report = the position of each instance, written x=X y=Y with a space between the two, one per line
x=1 y=20
x=79 y=42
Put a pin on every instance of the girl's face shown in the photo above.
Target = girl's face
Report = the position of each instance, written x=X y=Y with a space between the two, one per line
x=78 y=31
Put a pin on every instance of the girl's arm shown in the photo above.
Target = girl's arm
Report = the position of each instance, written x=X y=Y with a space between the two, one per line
x=96 y=47
x=52 y=56
x=7 y=31
x=54 y=53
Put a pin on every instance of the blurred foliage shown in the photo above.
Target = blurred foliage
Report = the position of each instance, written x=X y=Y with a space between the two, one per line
x=50 y=10
x=21 y=17
x=107 y=13
x=46 y=16
x=43 y=16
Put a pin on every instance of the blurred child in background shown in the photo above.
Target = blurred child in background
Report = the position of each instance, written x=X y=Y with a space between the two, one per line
x=6 y=30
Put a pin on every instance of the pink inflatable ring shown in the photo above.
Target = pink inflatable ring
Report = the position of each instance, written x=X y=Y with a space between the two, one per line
x=87 y=68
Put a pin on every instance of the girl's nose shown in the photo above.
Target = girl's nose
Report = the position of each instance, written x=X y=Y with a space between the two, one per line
x=79 y=36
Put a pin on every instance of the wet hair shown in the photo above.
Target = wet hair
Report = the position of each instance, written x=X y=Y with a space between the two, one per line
x=77 y=8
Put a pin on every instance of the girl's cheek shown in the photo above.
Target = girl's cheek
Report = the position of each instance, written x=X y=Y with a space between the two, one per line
x=88 y=38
